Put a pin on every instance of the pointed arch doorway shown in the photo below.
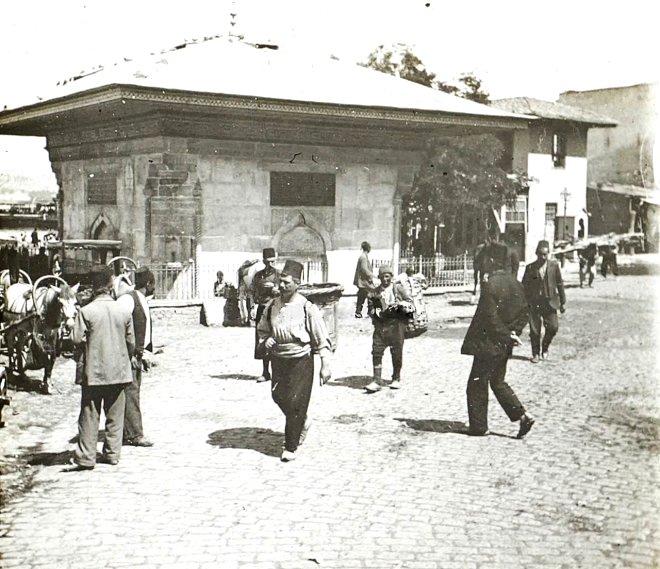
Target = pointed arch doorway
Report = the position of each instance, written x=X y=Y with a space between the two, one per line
x=304 y=240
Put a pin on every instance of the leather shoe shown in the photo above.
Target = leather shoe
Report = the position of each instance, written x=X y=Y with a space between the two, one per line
x=263 y=378
x=139 y=442
x=478 y=433
x=535 y=359
x=107 y=460
x=526 y=423
x=80 y=467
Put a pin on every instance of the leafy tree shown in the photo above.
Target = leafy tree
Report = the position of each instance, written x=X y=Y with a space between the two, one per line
x=458 y=175
x=400 y=60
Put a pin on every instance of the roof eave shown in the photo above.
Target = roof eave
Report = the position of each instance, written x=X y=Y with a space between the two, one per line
x=119 y=92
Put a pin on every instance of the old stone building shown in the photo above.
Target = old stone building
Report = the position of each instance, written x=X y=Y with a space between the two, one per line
x=215 y=150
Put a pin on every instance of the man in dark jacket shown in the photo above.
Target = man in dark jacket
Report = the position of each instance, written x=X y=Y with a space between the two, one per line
x=364 y=278
x=135 y=303
x=544 y=289
x=265 y=287
x=499 y=319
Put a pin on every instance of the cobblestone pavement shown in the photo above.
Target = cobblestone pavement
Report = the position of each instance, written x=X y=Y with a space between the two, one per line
x=386 y=480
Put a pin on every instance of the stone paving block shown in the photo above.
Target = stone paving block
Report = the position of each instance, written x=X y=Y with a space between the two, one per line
x=382 y=480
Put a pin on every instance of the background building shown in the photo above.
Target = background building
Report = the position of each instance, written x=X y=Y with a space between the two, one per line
x=553 y=152
x=622 y=194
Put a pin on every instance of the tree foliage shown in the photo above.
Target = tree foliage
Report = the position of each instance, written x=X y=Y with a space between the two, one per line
x=458 y=174
x=462 y=174
x=400 y=60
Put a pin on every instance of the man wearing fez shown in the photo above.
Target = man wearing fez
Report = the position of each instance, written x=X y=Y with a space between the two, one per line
x=390 y=307
x=135 y=303
x=495 y=328
x=291 y=330
x=363 y=279
x=105 y=330
x=544 y=289
x=265 y=287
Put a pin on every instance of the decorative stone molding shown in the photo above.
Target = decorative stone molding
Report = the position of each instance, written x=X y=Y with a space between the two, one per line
x=303 y=219
x=102 y=221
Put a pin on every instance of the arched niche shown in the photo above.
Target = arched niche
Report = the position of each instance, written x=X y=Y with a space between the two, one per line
x=102 y=228
x=312 y=235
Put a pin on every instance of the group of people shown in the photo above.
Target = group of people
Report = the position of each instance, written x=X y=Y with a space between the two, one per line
x=29 y=256
x=504 y=308
x=111 y=334
x=588 y=257
x=114 y=330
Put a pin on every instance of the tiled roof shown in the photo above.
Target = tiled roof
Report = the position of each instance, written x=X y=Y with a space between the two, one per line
x=552 y=110
x=227 y=67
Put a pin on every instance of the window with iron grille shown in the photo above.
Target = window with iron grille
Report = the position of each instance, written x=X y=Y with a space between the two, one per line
x=559 y=150
x=517 y=213
x=550 y=212
x=302 y=189
x=102 y=188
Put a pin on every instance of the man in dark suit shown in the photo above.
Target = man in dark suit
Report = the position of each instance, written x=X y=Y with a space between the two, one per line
x=544 y=289
x=498 y=321
x=135 y=302
x=364 y=278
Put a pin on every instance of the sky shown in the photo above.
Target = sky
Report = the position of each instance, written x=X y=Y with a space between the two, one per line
x=517 y=48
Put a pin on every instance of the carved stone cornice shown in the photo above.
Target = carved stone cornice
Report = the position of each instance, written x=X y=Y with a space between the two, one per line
x=39 y=118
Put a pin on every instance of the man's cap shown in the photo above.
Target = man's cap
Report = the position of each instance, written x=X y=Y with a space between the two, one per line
x=269 y=254
x=543 y=243
x=293 y=269
x=142 y=276
x=499 y=253
x=385 y=269
x=100 y=277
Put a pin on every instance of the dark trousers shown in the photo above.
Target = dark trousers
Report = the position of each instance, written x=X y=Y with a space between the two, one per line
x=133 y=414
x=361 y=297
x=291 y=389
x=266 y=360
x=539 y=317
x=609 y=262
x=485 y=371
x=586 y=269
x=389 y=335
x=112 y=399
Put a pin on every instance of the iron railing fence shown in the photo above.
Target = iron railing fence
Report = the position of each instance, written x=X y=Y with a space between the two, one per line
x=439 y=271
x=191 y=281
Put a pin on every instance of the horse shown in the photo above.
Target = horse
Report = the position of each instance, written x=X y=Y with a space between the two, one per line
x=34 y=317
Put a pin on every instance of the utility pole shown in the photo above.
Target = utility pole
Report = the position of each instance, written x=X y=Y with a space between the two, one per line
x=565 y=194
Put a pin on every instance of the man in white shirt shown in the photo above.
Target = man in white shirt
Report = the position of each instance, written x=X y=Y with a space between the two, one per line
x=136 y=302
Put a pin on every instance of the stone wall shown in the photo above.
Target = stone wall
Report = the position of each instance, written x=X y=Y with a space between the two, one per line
x=178 y=198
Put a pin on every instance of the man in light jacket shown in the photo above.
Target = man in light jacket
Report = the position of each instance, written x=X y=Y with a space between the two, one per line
x=364 y=278
x=106 y=331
